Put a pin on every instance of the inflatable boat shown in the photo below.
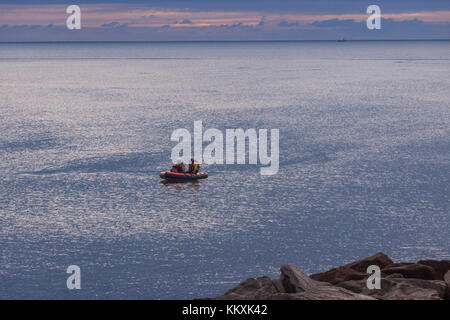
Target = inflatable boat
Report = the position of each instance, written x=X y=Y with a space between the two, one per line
x=182 y=177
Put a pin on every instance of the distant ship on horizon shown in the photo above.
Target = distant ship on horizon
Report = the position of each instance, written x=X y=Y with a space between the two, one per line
x=341 y=40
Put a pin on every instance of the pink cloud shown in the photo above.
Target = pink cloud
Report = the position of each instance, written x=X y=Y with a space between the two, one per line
x=97 y=15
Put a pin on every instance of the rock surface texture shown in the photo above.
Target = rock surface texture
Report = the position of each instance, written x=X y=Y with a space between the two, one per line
x=424 y=280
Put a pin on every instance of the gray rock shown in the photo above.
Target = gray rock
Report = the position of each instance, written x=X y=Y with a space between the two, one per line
x=278 y=285
x=447 y=282
x=379 y=259
x=354 y=270
x=293 y=284
x=302 y=287
x=411 y=270
x=294 y=280
x=447 y=278
x=440 y=267
x=321 y=292
x=252 y=289
x=395 y=287
x=425 y=280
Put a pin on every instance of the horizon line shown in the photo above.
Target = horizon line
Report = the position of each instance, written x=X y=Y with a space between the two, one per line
x=180 y=41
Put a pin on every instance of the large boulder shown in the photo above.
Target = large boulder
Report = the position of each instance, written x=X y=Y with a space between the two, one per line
x=323 y=292
x=395 y=287
x=440 y=267
x=354 y=270
x=411 y=270
x=425 y=280
x=299 y=286
x=339 y=274
x=379 y=259
x=293 y=284
x=294 y=280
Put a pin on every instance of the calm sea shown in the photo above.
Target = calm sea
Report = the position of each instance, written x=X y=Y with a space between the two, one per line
x=85 y=129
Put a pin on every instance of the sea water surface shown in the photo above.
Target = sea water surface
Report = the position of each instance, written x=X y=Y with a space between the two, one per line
x=85 y=129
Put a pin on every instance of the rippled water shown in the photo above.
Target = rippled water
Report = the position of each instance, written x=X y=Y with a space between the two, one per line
x=85 y=129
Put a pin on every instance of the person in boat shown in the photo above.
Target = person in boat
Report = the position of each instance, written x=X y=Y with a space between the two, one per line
x=179 y=167
x=182 y=167
x=194 y=166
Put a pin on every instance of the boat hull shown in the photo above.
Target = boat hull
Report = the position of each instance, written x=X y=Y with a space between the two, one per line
x=182 y=177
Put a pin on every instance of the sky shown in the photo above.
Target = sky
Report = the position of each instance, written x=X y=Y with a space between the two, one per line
x=218 y=20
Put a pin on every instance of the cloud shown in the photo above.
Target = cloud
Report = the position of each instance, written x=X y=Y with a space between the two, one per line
x=232 y=26
x=284 y=24
x=390 y=29
x=185 y=21
x=388 y=24
x=414 y=23
x=150 y=24
x=336 y=23
x=23 y=27
x=110 y=25
x=262 y=21
x=289 y=6
x=114 y=24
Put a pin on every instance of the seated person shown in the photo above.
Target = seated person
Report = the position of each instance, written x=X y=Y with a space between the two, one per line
x=196 y=167
x=193 y=166
x=178 y=167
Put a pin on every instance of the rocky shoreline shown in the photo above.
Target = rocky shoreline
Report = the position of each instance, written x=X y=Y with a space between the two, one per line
x=423 y=280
